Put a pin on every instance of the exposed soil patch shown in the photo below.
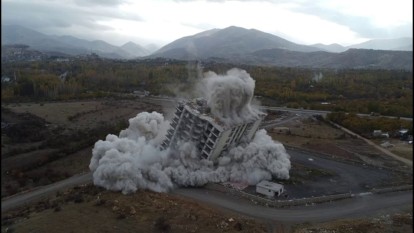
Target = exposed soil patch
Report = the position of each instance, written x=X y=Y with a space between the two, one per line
x=22 y=127
x=402 y=148
x=28 y=164
x=46 y=142
x=92 y=209
x=316 y=135
x=401 y=222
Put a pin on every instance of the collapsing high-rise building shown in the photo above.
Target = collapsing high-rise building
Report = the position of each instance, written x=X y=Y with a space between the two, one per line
x=194 y=122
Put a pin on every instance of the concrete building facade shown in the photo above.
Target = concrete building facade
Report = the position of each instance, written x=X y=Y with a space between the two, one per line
x=192 y=121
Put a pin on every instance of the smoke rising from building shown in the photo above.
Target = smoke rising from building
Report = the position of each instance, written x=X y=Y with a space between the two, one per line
x=136 y=160
x=229 y=96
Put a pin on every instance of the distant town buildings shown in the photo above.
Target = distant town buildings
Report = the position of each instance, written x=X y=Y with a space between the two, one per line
x=59 y=59
x=19 y=52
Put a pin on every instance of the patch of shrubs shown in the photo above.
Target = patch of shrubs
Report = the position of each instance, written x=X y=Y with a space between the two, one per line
x=162 y=225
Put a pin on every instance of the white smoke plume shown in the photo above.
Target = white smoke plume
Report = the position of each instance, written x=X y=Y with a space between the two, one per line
x=133 y=160
x=229 y=96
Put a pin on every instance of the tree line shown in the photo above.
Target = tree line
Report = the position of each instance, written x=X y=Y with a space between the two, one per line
x=387 y=92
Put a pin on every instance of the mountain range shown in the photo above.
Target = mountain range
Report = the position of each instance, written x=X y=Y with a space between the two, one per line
x=14 y=34
x=242 y=46
x=399 y=44
x=233 y=45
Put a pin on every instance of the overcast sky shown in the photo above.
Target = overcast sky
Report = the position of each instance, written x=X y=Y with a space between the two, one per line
x=162 y=21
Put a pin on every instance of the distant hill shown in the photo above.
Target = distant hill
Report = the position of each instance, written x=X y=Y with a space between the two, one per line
x=335 y=48
x=404 y=44
x=14 y=34
x=399 y=44
x=243 y=46
x=350 y=59
x=152 y=47
x=99 y=47
x=232 y=45
x=226 y=42
x=135 y=50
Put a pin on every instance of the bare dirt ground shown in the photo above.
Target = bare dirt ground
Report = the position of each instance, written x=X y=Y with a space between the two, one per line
x=47 y=142
x=84 y=114
x=55 y=141
x=92 y=209
x=310 y=133
x=400 y=148
x=87 y=208
x=401 y=222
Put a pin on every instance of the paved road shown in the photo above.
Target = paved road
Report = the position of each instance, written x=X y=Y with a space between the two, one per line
x=36 y=194
x=350 y=207
x=365 y=205
x=355 y=207
x=321 y=112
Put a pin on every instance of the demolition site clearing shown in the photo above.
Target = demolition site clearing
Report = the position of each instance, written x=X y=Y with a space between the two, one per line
x=325 y=160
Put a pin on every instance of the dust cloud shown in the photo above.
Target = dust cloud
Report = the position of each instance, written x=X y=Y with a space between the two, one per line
x=134 y=160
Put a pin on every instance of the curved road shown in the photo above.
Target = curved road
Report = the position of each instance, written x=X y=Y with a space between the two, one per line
x=33 y=195
x=358 y=206
x=364 y=205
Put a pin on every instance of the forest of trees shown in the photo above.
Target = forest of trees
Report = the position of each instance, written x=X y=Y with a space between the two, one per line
x=387 y=92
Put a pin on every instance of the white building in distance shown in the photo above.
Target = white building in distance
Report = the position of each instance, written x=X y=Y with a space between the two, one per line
x=269 y=189
x=193 y=122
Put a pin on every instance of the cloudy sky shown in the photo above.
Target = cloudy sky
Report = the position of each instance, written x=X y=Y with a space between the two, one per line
x=162 y=21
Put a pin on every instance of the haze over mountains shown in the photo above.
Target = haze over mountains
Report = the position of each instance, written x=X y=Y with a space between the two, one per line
x=14 y=34
x=233 y=45
x=231 y=40
x=239 y=45
x=399 y=44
